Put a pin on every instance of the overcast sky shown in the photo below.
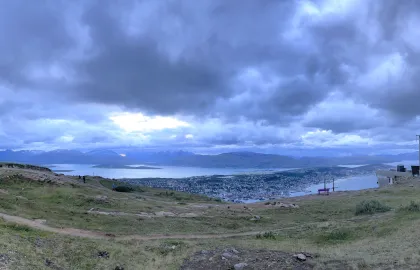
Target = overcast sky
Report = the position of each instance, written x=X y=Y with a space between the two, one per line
x=213 y=76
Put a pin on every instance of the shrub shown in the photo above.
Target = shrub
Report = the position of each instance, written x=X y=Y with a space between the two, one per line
x=123 y=189
x=266 y=235
x=412 y=207
x=371 y=207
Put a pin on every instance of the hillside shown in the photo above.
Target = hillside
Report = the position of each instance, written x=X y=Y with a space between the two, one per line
x=50 y=221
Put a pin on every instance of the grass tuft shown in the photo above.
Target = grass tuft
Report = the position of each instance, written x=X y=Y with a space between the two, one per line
x=371 y=207
x=335 y=236
x=412 y=207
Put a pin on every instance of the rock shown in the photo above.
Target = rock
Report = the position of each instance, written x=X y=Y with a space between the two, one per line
x=204 y=252
x=187 y=215
x=40 y=221
x=234 y=251
x=118 y=267
x=4 y=259
x=300 y=257
x=164 y=214
x=227 y=255
x=256 y=218
x=101 y=199
x=240 y=266
x=308 y=255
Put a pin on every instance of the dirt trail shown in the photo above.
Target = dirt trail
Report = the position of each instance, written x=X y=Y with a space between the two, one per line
x=98 y=235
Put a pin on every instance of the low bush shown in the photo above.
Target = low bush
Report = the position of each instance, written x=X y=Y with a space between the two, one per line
x=123 y=189
x=412 y=207
x=335 y=236
x=371 y=207
x=266 y=235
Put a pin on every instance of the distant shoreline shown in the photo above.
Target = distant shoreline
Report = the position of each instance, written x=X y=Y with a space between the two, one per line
x=141 y=167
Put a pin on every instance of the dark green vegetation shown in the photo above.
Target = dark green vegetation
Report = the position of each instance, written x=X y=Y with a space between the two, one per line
x=371 y=207
x=266 y=235
x=123 y=189
x=23 y=166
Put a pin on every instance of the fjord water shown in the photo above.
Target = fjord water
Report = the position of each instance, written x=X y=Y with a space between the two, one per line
x=162 y=172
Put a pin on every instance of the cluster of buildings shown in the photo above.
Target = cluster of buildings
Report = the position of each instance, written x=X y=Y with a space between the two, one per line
x=246 y=187
x=398 y=175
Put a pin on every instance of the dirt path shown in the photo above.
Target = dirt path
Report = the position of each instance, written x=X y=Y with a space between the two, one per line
x=98 y=235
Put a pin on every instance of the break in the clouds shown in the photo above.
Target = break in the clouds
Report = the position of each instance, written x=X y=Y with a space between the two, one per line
x=210 y=74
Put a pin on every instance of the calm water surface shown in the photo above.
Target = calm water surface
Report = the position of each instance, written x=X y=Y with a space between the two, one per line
x=163 y=172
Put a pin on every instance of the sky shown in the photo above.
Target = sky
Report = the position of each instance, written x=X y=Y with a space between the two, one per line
x=209 y=76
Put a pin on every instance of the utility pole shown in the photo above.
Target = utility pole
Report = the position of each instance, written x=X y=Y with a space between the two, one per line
x=418 y=137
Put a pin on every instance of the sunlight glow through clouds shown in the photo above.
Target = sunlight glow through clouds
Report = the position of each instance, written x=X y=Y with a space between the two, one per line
x=131 y=122
x=328 y=139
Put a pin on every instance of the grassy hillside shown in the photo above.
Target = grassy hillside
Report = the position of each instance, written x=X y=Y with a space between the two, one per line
x=70 y=225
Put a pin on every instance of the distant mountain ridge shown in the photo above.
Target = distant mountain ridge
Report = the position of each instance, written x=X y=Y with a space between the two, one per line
x=184 y=158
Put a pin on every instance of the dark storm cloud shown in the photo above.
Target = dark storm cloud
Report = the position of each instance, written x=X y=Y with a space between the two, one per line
x=80 y=60
x=31 y=33
x=137 y=73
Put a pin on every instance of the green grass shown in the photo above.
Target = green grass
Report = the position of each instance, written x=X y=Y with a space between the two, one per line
x=371 y=207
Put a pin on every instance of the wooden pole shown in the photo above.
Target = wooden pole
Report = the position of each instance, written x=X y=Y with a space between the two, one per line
x=325 y=184
x=333 y=184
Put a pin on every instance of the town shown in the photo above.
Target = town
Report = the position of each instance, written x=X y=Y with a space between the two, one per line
x=255 y=187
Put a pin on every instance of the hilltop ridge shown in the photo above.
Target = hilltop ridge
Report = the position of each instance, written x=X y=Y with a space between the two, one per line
x=76 y=225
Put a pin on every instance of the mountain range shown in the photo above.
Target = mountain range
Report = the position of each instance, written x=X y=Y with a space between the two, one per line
x=184 y=158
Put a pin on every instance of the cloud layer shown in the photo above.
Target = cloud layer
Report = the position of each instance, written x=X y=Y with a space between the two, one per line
x=239 y=74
